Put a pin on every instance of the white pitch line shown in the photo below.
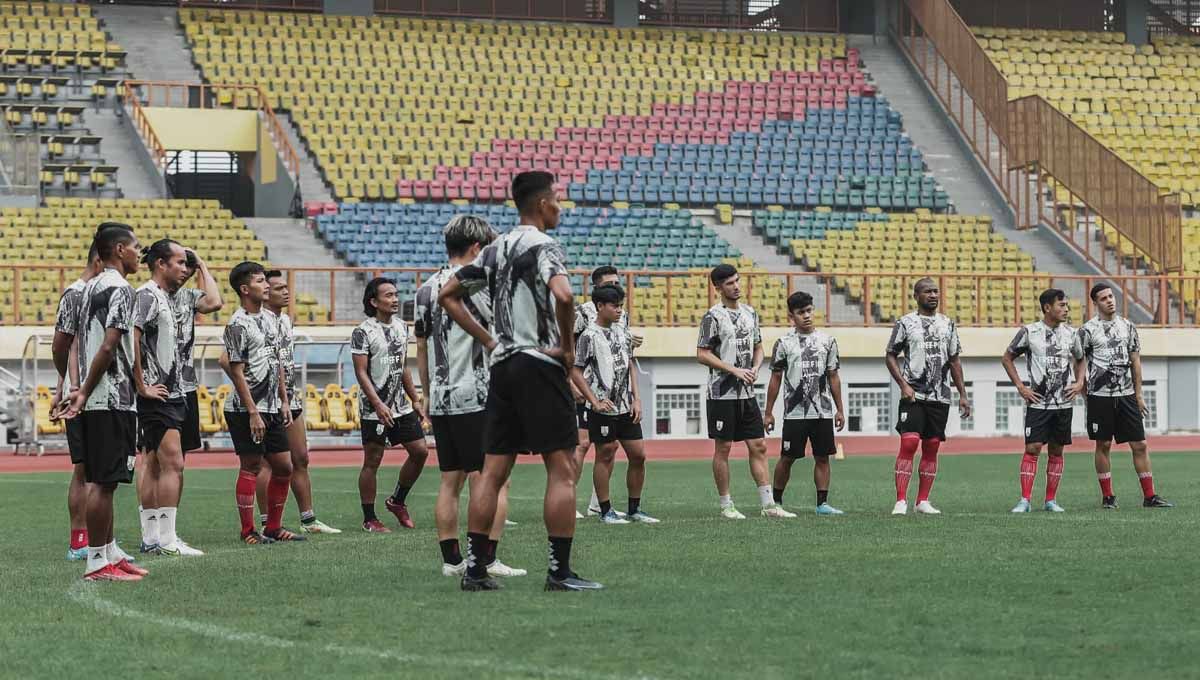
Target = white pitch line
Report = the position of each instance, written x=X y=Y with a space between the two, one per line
x=88 y=594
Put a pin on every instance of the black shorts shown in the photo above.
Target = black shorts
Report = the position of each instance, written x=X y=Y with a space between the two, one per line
x=274 y=439
x=1047 y=426
x=798 y=432
x=155 y=418
x=1115 y=418
x=109 y=444
x=529 y=408
x=75 y=443
x=189 y=436
x=603 y=428
x=459 y=441
x=297 y=414
x=581 y=415
x=735 y=420
x=926 y=418
x=407 y=428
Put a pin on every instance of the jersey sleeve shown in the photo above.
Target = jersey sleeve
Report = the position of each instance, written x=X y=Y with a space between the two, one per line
x=235 y=343
x=120 y=309
x=757 y=328
x=1076 y=345
x=899 y=338
x=475 y=276
x=833 y=361
x=358 y=341
x=551 y=261
x=144 y=304
x=1020 y=343
x=1135 y=342
x=710 y=336
x=67 y=319
x=954 y=346
x=583 y=350
x=1083 y=341
x=581 y=323
x=423 y=312
x=779 y=356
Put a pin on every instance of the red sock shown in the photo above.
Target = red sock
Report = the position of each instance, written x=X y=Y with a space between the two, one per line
x=1105 y=483
x=246 y=483
x=79 y=539
x=277 y=493
x=927 y=468
x=1147 y=480
x=1028 y=472
x=1054 y=468
x=904 y=463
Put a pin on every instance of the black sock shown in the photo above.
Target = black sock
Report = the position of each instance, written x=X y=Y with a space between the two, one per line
x=822 y=496
x=605 y=506
x=777 y=494
x=560 y=557
x=450 y=551
x=634 y=505
x=400 y=493
x=491 y=550
x=477 y=549
x=368 y=512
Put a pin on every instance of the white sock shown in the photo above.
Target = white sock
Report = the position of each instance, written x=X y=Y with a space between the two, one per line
x=142 y=518
x=97 y=558
x=726 y=502
x=166 y=526
x=765 y=497
x=149 y=517
x=594 y=502
x=112 y=553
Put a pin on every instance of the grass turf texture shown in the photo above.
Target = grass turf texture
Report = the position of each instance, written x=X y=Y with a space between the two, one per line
x=976 y=592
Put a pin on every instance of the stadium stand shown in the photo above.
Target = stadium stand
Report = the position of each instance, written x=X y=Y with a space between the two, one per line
x=603 y=97
x=48 y=51
x=51 y=235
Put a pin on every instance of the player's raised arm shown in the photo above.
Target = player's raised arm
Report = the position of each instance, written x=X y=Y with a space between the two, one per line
x=450 y=298
x=211 y=300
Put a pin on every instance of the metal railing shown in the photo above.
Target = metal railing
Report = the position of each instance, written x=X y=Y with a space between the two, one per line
x=1072 y=15
x=679 y=298
x=794 y=15
x=140 y=94
x=1029 y=149
x=541 y=10
x=274 y=5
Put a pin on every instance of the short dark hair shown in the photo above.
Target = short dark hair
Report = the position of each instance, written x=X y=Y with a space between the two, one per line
x=602 y=271
x=372 y=291
x=113 y=225
x=1097 y=289
x=609 y=293
x=109 y=237
x=464 y=231
x=242 y=273
x=93 y=252
x=923 y=281
x=159 y=250
x=1050 y=296
x=528 y=187
x=798 y=300
x=722 y=273
x=272 y=273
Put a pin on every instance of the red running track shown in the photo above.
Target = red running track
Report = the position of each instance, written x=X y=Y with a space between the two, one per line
x=672 y=449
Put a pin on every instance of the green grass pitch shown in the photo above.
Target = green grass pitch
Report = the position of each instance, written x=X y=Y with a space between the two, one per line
x=975 y=593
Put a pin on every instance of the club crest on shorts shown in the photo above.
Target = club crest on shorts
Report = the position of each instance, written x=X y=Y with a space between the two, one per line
x=129 y=461
x=787 y=446
x=603 y=430
x=1094 y=427
x=904 y=417
x=720 y=424
x=1028 y=431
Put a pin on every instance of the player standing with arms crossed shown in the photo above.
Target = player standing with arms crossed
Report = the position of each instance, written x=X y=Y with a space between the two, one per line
x=1115 y=406
x=805 y=362
x=1050 y=350
x=929 y=344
